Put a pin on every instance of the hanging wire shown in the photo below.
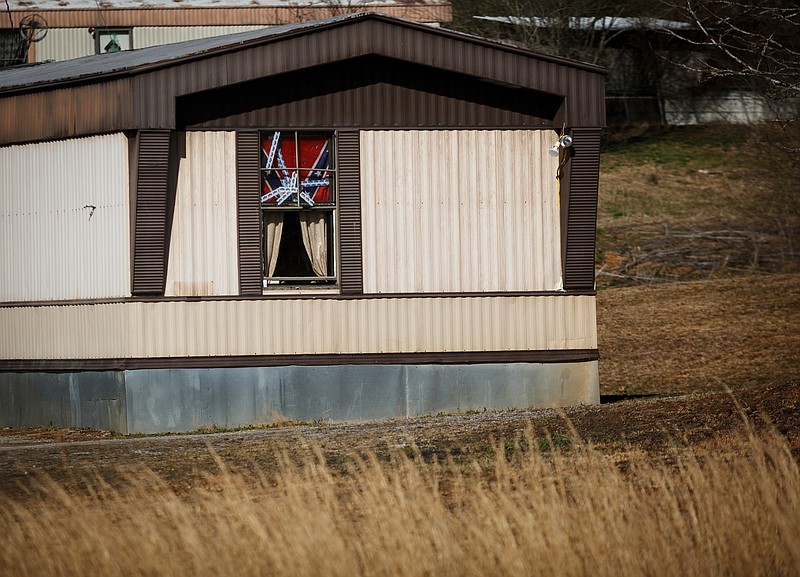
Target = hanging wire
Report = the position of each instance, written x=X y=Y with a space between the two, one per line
x=20 y=53
x=102 y=20
x=8 y=10
x=561 y=162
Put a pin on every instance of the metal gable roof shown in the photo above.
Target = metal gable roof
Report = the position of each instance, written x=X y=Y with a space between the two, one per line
x=160 y=88
x=135 y=61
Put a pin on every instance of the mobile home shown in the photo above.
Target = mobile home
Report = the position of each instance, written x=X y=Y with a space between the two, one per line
x=354 y=218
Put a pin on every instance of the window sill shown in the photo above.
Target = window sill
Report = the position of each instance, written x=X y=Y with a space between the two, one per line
x=297 y=290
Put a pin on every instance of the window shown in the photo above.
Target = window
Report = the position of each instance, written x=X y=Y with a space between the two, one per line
x=112 y=40
x=298 y=200
x=13 y=49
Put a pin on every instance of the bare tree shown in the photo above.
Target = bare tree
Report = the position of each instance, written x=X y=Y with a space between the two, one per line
x=757 y=43
x=578 y=29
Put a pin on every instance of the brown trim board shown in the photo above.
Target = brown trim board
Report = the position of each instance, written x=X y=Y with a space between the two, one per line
x=287 y=295
x=432 y=358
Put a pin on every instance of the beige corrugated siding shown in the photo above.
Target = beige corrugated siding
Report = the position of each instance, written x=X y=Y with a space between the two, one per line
x=64 y=44
x=203 y=247
x=68 y=43
x=459 y=211
x=303 y=326
x=157 y=35
x=64 y=220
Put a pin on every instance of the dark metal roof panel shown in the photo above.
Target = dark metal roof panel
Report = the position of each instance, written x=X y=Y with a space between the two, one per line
x=170 y=5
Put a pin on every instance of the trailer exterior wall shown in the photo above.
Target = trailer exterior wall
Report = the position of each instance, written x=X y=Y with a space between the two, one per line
x=437 y=337
x=297 y=326
x=203 y=247
x=64 y=208
x=460 y=211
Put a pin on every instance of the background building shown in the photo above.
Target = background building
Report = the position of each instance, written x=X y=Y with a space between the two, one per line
x=76 y=28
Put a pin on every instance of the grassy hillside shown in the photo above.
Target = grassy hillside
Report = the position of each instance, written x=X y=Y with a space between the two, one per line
x=714 y=209
x=695 y=203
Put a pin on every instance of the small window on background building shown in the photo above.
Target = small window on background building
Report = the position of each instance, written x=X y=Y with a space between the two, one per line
x=108 y=40
x=13 y=49
x=298 y=200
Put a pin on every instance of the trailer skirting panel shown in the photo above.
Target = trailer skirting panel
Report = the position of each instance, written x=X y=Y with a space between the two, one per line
x=175 y=400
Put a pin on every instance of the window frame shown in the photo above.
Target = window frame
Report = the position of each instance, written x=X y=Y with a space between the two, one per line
x=331 y=208
x=15 y=51
x=98 y=48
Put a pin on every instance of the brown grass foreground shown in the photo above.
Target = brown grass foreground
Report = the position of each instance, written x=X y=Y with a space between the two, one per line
x=531 y=508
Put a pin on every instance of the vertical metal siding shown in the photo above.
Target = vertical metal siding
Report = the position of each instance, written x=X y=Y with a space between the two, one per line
x=68 y=43
x=347 y=159
x=65 y=44
x=282 y=326
x=248 y=199
x=64 y=220
x=203 y=246
x=150 y=232
x=459 y=211
x=582 y=211
x=145 y=36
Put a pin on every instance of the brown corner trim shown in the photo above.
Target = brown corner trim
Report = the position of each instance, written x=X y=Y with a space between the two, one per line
x=433 y=358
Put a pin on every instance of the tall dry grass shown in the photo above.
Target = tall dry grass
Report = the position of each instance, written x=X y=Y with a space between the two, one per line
x=731 y=511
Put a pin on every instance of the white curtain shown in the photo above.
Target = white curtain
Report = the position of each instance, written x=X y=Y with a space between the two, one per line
x=315 y=239
x=274 y=231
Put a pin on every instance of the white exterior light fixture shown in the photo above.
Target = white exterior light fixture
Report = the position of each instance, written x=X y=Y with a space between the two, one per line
x=563 y=142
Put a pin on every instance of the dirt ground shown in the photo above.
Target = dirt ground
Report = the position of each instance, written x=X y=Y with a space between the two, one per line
x=699 y=336
x=78 y=459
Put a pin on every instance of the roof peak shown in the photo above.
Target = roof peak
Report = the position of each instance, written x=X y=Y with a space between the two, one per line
x=130 y=62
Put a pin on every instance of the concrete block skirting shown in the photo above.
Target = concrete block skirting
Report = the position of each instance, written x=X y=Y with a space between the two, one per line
x=162 y=400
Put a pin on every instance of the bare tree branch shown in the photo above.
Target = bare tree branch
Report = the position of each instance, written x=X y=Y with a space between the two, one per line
x=754 y=42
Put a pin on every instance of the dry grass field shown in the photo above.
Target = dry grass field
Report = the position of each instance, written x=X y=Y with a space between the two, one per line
x=717 y=209
x=525 y=510
x=695 y=473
